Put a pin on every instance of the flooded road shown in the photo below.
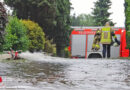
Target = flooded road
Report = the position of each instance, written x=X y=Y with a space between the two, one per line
x=41 y=72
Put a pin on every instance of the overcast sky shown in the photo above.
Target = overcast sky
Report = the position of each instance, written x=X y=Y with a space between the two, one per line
x=117 y=8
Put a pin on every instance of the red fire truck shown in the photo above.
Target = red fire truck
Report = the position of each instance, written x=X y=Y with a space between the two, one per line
x=82 y=39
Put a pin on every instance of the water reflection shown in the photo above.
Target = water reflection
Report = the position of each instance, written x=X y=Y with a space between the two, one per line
x=39 y=71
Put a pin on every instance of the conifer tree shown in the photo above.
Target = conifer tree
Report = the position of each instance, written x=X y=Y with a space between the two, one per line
x=100 y=12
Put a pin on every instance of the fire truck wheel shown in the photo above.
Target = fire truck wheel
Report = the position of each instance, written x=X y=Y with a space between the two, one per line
x=95 y=55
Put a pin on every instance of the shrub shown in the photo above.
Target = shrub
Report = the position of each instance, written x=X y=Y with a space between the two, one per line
x=16 y=37
x=36 y=36
x=67 y=52
x=50 y=47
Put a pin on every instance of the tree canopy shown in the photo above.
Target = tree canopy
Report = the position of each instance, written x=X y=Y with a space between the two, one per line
x=100 y=12
x=82 y=20
x=52 y=15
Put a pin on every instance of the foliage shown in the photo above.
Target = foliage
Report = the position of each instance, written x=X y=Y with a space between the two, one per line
x=67 y=52
x=50 y=47
x=36 y=36
x=127 y=14
x=1 y=53
x=82 y=20
x=100 y=12
x=128 y=39
x=62 y=28
x=3 y=21
x=52 y=15
x=16 y=37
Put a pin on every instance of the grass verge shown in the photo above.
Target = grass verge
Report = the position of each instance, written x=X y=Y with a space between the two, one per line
x=13 y=61
x=1 y=53
x=124 y=58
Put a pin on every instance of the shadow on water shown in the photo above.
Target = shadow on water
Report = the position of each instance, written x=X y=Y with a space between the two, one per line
x=38 y=71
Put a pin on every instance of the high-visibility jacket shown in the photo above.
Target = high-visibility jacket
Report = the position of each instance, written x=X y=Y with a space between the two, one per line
x=103 y=36
x=106 y=37
x=96 y=41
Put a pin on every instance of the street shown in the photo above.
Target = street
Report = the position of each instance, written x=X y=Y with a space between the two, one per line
x=41 y=72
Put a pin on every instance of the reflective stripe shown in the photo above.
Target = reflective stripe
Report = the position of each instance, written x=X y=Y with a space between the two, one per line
x=98 y=46
x=98 y=31
x=105 y=31
x=115 y=36
x=94 y=45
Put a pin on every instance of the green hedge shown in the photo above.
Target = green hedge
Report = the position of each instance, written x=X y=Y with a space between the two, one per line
x=127 y=14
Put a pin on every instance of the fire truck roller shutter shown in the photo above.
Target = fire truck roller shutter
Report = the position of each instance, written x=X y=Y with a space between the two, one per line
x=115 y=51
x=78 y=46
x=90 y=53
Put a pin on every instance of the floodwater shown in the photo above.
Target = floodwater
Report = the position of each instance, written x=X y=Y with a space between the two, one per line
x=41 y=72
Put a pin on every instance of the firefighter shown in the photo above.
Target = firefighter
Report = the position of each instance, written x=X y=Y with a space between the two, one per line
x=96 y=42
x=106 y=39
x=104 y=36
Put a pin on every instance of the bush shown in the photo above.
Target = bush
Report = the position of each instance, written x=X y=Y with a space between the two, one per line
x=16 y=37
x=36 y=36
x=128 y=39
x=67 y=52
x=50 y=47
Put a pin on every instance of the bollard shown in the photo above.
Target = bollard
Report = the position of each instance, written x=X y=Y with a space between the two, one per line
x=16 y=55
x=0 y=79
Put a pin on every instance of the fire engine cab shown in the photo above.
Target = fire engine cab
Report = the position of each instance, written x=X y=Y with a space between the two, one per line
x=82 y=40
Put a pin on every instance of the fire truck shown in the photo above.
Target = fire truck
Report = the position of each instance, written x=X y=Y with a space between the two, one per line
x=81 y=40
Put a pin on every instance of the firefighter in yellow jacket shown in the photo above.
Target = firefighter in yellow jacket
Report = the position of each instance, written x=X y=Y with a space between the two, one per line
x=96 y=41
x=106 y=34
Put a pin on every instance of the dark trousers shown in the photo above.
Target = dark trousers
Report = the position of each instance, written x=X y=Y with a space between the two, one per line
x=106 y=49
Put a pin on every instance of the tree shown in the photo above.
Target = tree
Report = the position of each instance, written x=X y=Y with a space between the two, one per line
x=41 y=11
x=16 y=36
x=100 y=12
x=62 y=28
x=52 y=15
x=74 y=20
x=3 y=21
x=127 y=22
x=82 y=20
x=36 y=36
